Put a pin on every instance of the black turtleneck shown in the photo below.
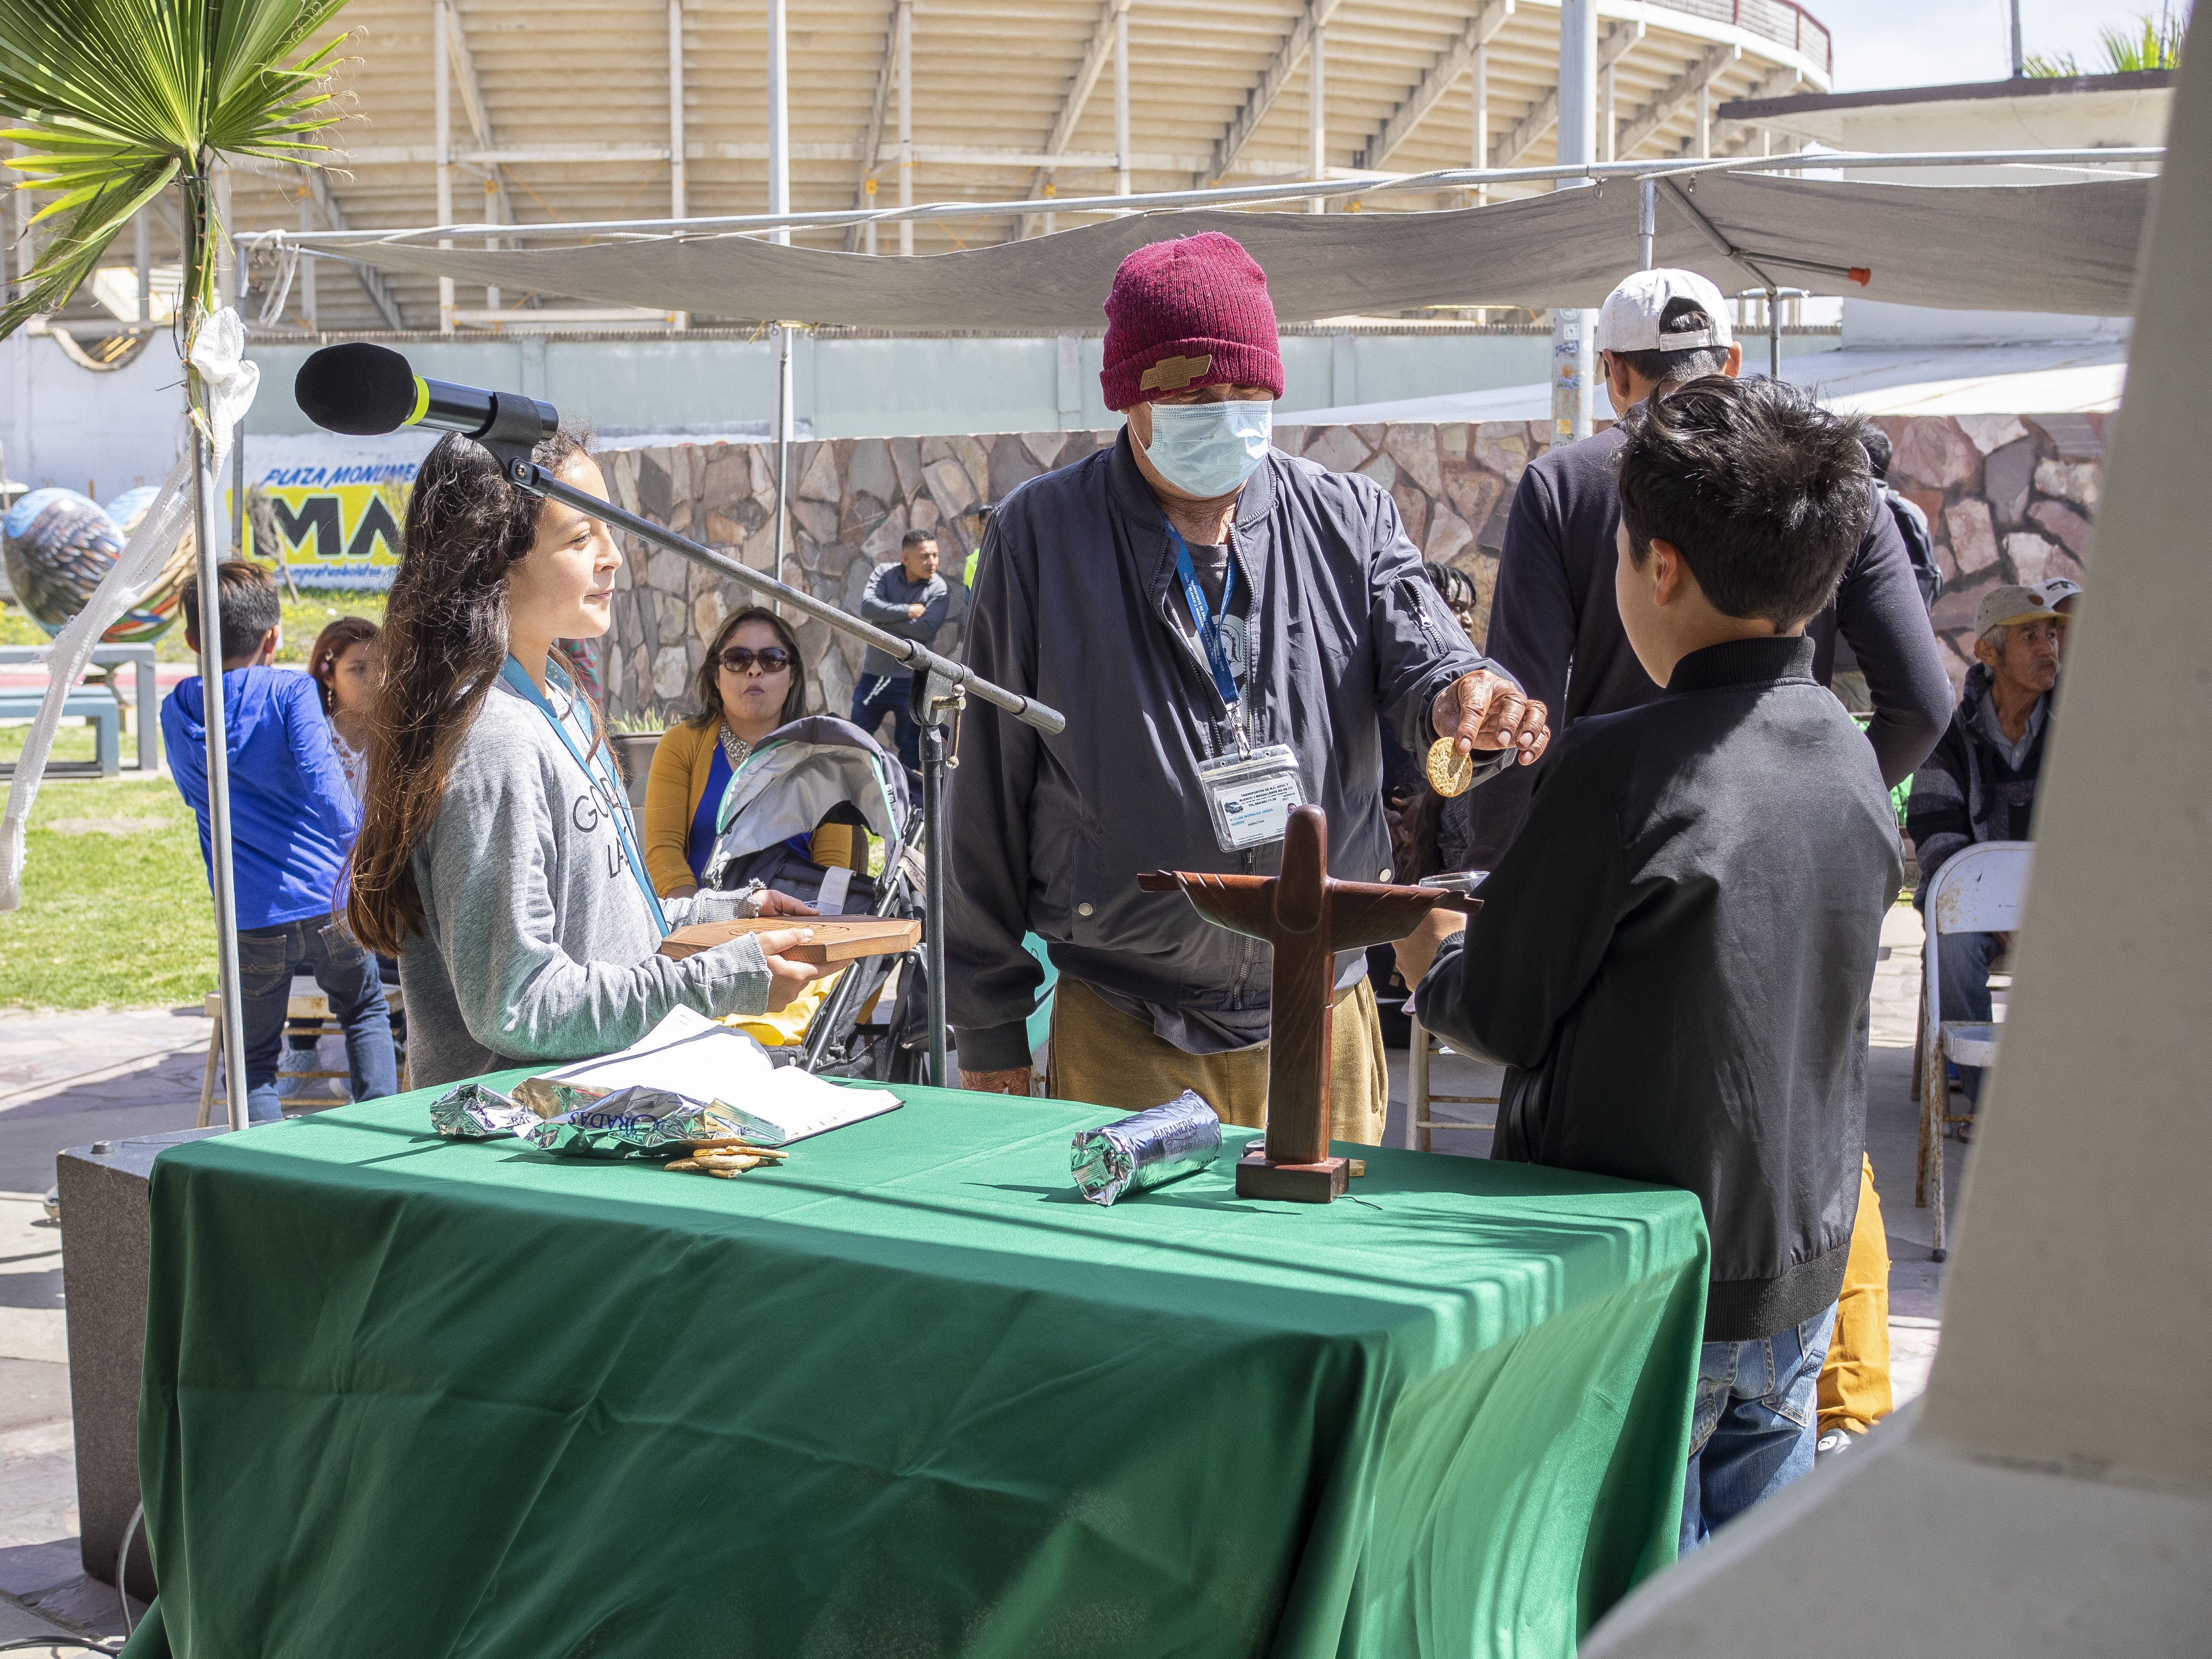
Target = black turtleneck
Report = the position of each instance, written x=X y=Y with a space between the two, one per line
x=1674 y=957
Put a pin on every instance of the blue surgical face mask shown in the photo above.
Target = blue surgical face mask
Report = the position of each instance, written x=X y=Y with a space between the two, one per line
x=1209 y=449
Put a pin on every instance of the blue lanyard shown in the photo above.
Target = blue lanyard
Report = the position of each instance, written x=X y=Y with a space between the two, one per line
x=1209 y=628
x=617 y=800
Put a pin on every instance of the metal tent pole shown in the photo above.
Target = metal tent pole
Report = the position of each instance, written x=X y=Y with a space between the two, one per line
x=904 y=66
x=779 y=117
x=205 y=522
x=1317 y=116
x=237 y=489
x=1647 y=220
x=441 y=106
x=1573 y=362
x=1122 y=101
x=783 y=425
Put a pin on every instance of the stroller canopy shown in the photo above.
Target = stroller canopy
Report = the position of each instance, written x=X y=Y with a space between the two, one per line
x=795 y=776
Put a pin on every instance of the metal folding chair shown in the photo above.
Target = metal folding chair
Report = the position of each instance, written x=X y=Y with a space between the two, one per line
x=1982 y=889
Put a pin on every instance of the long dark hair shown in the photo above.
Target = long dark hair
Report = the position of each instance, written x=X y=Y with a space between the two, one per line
x=334 y=641
x=445 y=640
x=707 y=685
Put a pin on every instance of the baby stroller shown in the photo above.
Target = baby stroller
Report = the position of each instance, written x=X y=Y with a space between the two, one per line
x=800 y=815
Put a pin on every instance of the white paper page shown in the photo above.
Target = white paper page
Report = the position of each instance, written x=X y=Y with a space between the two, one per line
x=696 y=1056
x=789 y=1105
x=687 y=1053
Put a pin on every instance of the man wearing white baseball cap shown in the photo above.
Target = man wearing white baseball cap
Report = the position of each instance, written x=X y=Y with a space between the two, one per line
x=1555 y=610
x=1979 y=785
x=1554 y=603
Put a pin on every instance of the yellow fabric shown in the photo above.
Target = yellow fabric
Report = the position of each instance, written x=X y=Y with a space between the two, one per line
x=839 y=844
x=672 y=790
x=1101 y=1055
x=1854 y=1391
x=789 y=1025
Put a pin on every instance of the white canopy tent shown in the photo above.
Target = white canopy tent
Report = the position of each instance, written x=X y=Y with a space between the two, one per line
x=2057 y=248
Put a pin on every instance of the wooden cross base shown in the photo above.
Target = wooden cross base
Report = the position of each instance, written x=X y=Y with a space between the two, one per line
x=1294 y=1183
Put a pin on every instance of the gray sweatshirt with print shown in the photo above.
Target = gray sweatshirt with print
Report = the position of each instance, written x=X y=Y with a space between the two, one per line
x=537 y=944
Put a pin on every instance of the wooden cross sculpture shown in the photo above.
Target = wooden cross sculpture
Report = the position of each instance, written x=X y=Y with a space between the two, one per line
x=1308 y=917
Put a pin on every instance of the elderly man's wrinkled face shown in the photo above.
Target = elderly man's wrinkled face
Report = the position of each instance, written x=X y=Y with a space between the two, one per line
x=2025 y=656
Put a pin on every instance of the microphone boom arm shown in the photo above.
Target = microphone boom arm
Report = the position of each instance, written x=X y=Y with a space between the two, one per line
x=533 y=479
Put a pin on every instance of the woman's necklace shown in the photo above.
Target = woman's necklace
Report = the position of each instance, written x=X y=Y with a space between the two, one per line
x=735 y=747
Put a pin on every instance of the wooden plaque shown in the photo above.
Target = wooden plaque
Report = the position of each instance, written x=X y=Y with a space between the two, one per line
x=836 y=938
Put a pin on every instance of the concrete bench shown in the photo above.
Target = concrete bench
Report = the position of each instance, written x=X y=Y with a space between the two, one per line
x=95 y=703
x=146 y=699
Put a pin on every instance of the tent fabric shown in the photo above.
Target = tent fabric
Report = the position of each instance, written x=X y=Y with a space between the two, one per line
x=2066 y=247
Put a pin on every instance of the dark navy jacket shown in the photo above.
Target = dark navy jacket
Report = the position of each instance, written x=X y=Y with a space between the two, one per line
x=1674 y=960
x=1048 y=835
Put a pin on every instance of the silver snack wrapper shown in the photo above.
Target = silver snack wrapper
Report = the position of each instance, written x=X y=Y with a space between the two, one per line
x=1147 y=1151
x=471 y=1111
x=628 y=1123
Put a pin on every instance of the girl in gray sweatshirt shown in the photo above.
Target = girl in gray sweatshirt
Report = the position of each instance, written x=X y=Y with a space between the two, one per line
x=498 y=859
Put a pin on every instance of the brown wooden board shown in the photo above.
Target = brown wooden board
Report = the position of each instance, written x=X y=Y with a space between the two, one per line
x=836 y=938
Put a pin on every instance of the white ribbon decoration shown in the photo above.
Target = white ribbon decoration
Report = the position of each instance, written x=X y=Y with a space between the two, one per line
x=218 y=352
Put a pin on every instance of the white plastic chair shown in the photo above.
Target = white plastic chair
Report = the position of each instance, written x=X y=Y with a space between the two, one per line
x=1982 y=889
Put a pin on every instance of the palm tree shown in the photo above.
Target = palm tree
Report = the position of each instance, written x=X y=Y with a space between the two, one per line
x=117 y=101
x=2152 y=42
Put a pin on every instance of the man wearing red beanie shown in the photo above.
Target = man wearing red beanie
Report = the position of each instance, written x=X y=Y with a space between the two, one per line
x=1226 y=627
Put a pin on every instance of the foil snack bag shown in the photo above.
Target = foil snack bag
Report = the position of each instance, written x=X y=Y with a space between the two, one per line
x=630 y=1122
x=471 y=1111
x=1147 y=1151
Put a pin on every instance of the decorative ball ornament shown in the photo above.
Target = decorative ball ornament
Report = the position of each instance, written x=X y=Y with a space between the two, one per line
x=60 y=546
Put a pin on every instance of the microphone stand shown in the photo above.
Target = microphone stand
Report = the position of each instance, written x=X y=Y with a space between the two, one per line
x=513 y=455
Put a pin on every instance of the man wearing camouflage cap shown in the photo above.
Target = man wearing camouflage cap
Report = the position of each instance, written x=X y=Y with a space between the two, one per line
x=1980 y=783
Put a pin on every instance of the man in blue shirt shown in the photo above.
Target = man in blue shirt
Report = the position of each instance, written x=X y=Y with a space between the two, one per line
x=293 y=819
x=908 y=598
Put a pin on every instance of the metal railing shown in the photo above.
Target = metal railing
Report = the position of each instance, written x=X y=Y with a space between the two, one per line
x=1783 y=21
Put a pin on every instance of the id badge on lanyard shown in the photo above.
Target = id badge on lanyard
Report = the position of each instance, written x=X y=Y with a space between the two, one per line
x=1250 y=794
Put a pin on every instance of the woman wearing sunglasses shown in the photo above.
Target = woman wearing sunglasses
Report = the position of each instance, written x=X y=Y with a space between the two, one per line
x=497 y=858
x=749 y=683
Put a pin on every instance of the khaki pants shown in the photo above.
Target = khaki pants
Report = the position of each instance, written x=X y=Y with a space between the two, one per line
x=1103 y=1056
x=1854 y=1391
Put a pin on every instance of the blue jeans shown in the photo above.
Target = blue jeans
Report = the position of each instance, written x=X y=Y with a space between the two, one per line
x=877 y=692
x=1963 y=976
x=267 y=959
x=1755 y=1424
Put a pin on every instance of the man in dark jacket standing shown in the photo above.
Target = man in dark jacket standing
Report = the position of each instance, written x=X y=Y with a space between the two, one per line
x=1979 y=785
x=1554 y=610
x=1674 y=958
x=908 y=598
x=1222 y=625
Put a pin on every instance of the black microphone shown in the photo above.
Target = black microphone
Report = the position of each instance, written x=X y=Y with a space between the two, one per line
x=365 y=389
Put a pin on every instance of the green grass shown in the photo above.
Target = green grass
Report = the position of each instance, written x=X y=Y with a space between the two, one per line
x=304 y=618
x=77 y=740
x=115 y=911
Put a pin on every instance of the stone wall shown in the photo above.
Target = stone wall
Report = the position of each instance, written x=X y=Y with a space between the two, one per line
x=2008 y=498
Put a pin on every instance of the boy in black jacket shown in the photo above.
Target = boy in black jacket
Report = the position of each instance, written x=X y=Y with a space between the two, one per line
x=1674 y=957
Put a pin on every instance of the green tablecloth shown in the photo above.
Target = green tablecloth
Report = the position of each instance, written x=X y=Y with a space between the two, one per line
x=906 y=1396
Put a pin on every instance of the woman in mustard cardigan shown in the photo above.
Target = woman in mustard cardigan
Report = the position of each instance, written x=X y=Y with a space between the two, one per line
x=751 y=682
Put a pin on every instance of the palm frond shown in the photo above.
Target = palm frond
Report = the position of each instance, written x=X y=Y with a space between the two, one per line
x=113 y=100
